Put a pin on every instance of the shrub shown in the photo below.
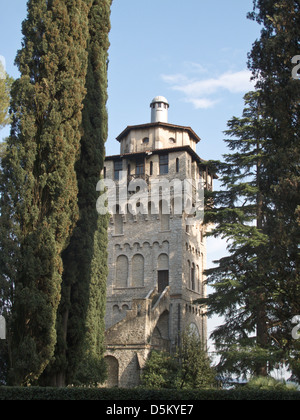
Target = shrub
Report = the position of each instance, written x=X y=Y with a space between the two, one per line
x=74 y=394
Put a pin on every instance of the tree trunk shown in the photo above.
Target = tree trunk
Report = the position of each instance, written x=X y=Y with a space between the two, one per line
x=261 y=315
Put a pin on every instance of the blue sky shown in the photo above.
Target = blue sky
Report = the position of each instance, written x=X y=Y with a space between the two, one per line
x=193 y=52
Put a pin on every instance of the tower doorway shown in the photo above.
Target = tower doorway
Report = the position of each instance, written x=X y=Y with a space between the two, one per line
x=163 y=280
x=162 y=272
x=112 y=372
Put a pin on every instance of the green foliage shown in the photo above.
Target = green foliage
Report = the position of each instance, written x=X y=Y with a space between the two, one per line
x=38 y=183
x=53 y=242
x=270 y=62
x=242 y=360
x=187 y=368
x=241 y=281
x=96 y=394
x=91 y=371
x=195 y=371
x=161 y=371
x=81 y=313
x=257 y=285
x=2 y=150
x=5 y=87
x=269 y=383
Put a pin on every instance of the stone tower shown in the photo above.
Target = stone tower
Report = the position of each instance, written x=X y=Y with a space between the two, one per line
x=156 y=256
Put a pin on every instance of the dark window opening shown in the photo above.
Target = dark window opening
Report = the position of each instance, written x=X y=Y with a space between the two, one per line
x=140 y=167
x=151 y=168
x=164 y=164
x=118 y=169
x=163 y=280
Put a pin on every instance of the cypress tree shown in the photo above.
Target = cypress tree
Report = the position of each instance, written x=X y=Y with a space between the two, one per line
x=79 y=353
x=7 y=248
x=38 y=184
x=5 y=88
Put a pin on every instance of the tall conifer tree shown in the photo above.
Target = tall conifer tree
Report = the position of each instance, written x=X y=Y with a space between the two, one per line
x=271 y=63
x=257 y=285
x=5 y=88
x=79 y=352
x=241 y=280
x=38 y=184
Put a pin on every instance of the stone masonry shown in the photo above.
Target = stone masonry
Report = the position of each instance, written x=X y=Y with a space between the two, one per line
x=156 y=260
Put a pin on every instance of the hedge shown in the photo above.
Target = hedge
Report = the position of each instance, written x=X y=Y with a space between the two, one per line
x=116 y=394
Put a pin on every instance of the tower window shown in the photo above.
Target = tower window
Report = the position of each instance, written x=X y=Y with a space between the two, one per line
x=121 y=279
x=146 y=140
x=151 y=168
x=192 y=285
x=164 y=164
x=163 y=272
x=118 y=221
x=140 y=167
x=177 y=165
x=138 y=271
x=118 y=168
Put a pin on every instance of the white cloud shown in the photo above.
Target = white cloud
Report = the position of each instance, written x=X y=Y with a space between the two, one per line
x=203 y=103
x=192 y=67
x=175 y=79
x=205 y=93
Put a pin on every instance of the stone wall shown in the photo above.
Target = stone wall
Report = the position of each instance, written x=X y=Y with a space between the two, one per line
x=146 y=247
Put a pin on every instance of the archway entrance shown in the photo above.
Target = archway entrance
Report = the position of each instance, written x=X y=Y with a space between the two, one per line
x=112 y=372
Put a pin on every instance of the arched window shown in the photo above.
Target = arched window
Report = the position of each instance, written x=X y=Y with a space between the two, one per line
x=138 y=271
x=163 y=272
x=192 y=285
x=151 y=168
x=116 y=310
x=112 y=371
x=122 y=271
x=193 y=330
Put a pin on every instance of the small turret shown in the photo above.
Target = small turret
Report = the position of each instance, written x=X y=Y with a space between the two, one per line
x=159 y=109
